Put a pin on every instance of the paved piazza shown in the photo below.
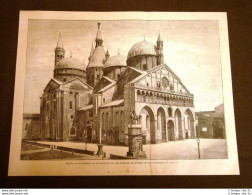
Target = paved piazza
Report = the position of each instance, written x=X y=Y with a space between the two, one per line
x=173 y=150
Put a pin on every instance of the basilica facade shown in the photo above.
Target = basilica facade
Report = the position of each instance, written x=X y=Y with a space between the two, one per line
x=94 y=103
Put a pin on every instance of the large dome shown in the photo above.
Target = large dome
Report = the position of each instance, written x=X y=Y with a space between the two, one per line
x=118 y=60
x=142 y=48
x=70 y=62
x=97 y=58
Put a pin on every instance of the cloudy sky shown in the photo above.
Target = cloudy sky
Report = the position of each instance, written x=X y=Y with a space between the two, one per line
x=191 y=50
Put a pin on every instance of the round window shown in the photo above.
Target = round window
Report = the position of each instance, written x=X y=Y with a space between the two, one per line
x=165 y=82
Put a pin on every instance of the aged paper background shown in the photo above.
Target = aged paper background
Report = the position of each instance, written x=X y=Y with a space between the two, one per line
x=18 y=167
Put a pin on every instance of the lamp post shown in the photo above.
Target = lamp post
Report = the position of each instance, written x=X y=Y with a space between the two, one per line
x=100 y=146
x=198 y=141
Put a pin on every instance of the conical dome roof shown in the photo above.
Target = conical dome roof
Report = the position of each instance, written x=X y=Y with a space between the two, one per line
x=60 y=42
x=98 y=57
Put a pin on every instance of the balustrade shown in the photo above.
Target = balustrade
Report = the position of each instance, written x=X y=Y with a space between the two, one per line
x=158 y=89
x=155 y=100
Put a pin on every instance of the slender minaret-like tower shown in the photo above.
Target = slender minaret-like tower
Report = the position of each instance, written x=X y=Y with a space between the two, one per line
x=107 y=55
x=59 y=51
x=160 y=55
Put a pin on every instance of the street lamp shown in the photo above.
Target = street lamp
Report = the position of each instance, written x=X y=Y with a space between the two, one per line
x=100 y=146
x=198 y=141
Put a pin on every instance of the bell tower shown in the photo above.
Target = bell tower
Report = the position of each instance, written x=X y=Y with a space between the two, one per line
x=59 y=50
x=160 y=55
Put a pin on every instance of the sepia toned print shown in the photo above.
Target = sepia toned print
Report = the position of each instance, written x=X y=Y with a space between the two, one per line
x=123 y=93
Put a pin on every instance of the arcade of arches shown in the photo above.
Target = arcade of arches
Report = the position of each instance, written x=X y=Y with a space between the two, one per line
x=162 y=126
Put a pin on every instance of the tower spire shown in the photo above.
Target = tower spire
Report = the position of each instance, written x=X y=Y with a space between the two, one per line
x=60 y=42
x=59 y=50
x=160 y=59
x=159 y=38
x=98 y=38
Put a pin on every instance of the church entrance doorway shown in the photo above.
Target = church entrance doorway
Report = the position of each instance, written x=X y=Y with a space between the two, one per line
x=217 y=130
x=111 y=138
x=89 y=133
x=147 y=123
x=171 y=134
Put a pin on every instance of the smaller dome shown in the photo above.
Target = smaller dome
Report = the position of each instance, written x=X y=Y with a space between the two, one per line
x=142 y=48
x=70 y=62
x=97 y=58
x=118 y=60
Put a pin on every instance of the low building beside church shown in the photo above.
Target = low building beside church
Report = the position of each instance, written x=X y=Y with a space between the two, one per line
x=31 y=127
x=211 y=124
x=93 y=103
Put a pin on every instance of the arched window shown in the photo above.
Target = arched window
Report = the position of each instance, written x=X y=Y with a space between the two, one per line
x=64 y=79
x=70 y=105
x=145 y=67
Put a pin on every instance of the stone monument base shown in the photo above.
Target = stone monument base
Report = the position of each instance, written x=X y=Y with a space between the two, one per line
x=135 y=142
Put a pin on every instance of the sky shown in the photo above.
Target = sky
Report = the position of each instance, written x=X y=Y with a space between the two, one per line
x=191 y=50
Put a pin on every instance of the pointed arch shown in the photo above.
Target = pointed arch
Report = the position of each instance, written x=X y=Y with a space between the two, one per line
x=189 y=124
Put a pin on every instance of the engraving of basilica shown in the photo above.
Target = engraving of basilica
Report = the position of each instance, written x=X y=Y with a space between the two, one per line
x=94 y=102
